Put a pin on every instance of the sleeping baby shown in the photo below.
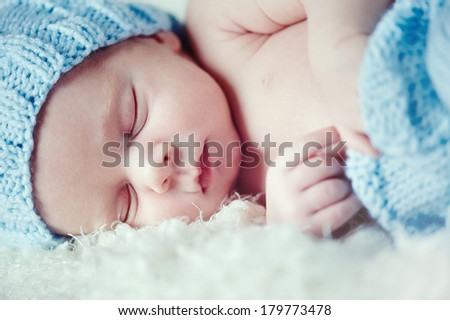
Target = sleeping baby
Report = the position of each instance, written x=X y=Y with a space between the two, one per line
x=105 y=118
x=87 y=82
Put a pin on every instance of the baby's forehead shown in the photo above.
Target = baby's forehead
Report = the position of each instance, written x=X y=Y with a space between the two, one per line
x=101 y=60
x=122 y=49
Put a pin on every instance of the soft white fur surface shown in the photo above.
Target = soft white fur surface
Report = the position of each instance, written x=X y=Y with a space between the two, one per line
x=232 y=256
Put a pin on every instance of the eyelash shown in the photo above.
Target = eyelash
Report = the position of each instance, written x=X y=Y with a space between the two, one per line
x=128 y=203
x=133 y=125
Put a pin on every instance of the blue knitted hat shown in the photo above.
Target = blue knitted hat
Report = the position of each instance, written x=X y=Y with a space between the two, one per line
x=405 y=96
x=39 y=41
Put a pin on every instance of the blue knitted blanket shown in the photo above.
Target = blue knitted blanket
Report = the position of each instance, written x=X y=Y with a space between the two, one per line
x=405 y=96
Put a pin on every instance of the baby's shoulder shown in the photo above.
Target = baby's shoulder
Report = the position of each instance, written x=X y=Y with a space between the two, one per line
x=226 y=35
x=223 y=51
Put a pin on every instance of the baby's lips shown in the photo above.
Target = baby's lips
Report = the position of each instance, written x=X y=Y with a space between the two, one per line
x=188 y=183
x=205 y=178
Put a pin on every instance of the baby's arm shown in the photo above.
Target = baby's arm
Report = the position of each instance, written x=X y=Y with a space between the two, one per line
x=338 y=31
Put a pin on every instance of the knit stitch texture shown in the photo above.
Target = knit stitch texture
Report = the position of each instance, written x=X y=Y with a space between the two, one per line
x=39 y=41
x=405 y=96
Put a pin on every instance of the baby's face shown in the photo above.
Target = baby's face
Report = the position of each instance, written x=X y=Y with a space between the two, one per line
x=145 y=89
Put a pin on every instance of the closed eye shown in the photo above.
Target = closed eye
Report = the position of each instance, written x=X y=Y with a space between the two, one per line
x=139 y=119
x=136 y=113
x=124 y=212
x=132 y=205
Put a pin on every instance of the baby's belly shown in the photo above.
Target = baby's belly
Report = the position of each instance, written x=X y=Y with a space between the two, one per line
x=277 y=99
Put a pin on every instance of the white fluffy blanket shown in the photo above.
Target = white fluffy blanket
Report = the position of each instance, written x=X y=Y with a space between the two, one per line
x=232 y=256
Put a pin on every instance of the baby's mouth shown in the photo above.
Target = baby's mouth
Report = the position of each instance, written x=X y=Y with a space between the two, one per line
x=205 y=178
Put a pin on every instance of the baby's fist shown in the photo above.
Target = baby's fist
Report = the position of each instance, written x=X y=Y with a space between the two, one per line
x=313 y=193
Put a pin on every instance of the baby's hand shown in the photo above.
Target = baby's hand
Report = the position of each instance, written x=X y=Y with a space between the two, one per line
x=314 y=194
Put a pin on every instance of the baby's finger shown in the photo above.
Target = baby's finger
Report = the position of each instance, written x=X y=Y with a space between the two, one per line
x=358 y=141
x=334 y=216
x=311 y=143
x=316 y=170
x=325 y=194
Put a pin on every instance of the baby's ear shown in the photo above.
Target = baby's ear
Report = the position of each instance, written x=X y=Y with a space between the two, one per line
x=168 y=39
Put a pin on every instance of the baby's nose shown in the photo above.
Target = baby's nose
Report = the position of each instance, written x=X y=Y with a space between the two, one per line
x=170 y=169
x=150 y=169
x=162 y=183
x=159 y=178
